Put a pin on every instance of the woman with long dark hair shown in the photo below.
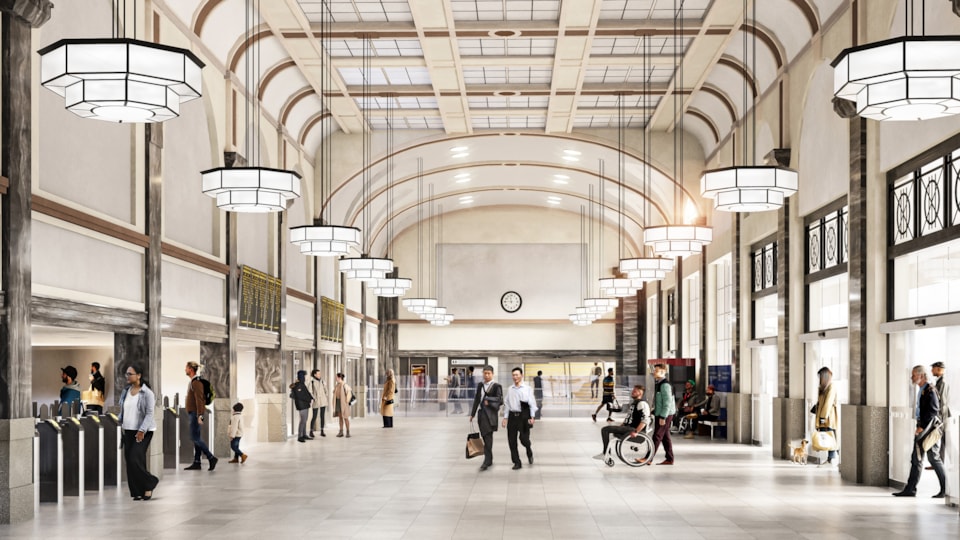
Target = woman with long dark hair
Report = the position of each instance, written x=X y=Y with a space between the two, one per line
x=341 y=403
x=137 y=422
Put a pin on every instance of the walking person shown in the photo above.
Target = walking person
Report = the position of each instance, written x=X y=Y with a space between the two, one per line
x=827 y=415
x=538 y=392
x=595 y=381
x=342 y=394
x=486 y=403
x=453 y=395
x=69 y=392
x=138 y=424
x=471 y=383
x=235 y=433
x=943 y=392
x=98 y=389
x=664 y=407
x=196 y=408
x=927 y=413
x=318 y=389
x=387 y=399
x=518 y=417
x=301 y=401
x=609 y=392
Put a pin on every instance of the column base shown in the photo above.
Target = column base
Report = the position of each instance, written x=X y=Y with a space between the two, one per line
x=16 y=470
x=739 y=418
x=271 y=417
x=222 y=410
x=864 y=442
x=789 y=425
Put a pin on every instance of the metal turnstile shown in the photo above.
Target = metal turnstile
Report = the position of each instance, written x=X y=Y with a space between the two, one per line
x=111 y=449
x=50 y=466
x=71 y=433
x=172 y=438
x=92 y=453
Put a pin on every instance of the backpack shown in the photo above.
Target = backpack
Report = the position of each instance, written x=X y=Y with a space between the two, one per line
x=208 y=393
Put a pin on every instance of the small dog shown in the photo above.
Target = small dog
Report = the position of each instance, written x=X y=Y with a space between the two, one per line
x=800 y=454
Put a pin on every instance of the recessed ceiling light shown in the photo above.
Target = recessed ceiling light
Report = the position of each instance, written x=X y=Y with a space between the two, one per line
x=463 y=175
x=466 y=201
x=560 y=181
x=571 y=152
x=561 y=176
x=458 y=148
x=461 y=154
x=466 y=198
x=553 y=198
x=463 y=180
x=567 y=158
x=553 y=202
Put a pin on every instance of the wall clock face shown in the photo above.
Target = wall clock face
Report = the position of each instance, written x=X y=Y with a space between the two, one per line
x=511 y=302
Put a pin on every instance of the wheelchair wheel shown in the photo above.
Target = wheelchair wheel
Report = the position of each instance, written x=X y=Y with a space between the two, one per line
x=639 y=447
x=609 y=462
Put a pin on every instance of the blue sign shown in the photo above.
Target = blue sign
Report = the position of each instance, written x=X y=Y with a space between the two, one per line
x=721 y=377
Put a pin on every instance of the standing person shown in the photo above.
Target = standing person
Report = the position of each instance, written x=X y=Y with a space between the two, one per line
x=634 y=423
x=487 y=402
x=138 y=424
x=318 y=389
x=471 y=383
x=196 y=407
x=609 y=389
x=301 y=401
x=235 y=433
x=70 y=391
x=927 y=413
x=341 y=403
x=98 y=389
x=943 y=392
x=518 y=417
x=827 y=417
x=664 y=407
x=453 y=395
x=595 y=381
x=387 y=399
x=538 y=392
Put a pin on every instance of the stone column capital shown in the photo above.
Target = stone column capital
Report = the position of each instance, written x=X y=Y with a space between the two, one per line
x=32 y=12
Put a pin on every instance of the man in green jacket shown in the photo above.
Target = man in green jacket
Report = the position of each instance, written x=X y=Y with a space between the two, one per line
x=664 y=407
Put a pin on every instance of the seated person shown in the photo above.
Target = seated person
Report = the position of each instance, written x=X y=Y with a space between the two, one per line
x=686 y=404
x=708 y=409
x=635 y=422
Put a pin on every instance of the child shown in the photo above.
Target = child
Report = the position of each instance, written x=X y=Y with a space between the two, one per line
x=235 y=431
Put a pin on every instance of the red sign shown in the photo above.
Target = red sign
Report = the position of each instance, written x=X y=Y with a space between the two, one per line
x=684 y=362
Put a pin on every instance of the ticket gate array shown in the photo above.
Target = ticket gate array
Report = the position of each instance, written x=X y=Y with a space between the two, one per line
x=75 y=455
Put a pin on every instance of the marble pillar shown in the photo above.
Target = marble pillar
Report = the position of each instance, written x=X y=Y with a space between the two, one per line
x=789 y=424
x=735 y=311
x=857 y=261
x=739 y=418
x=271 y=396
x=387 y=333
x=864 y=443
x=215 y=357
x=642 y=332
x=628 y=334
x=153 y=260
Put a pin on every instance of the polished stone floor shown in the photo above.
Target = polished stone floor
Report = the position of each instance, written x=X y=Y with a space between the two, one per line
x=413 y=482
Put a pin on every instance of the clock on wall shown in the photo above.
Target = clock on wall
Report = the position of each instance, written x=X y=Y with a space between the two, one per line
x=511 y=302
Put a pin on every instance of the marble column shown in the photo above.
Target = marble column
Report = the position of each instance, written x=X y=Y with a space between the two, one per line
x=642 y=332
x=628 y=337
x=788 y=412
x=678 y=310
x=271 y=396
x=739 y=405
x=16 y=424
x=215 y=358
x=704 y=372
x=387 y=333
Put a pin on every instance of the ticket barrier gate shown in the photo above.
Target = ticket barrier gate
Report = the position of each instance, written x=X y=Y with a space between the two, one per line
x=186 y=443
x=49 y=466
x=172 y=438
x=92 y=453
x=111 y=449
x=71 y=434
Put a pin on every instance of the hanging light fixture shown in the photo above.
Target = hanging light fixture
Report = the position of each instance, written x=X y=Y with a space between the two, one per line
x=419 y=305
x=678 y=239
x=583 y=314
x=323 y=239
x=121 y=79
x=251 y=188
x=364 y=267
x=749 y=188
x=597 y=304
x=905 y=78
x=437 y=316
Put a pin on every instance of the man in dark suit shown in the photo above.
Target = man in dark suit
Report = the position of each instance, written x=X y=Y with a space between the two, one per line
x=927 y=413
x=487 y=402
x=538 y=392
x=943 y=392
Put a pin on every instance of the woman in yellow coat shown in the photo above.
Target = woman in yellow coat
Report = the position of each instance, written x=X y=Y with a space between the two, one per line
x=387 y=399
x=826 y=410
x=341 y=403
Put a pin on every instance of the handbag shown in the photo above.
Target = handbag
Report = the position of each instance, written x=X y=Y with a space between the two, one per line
x=614 y=406
x=824 y=441
x=388 y=402
x=474 y=444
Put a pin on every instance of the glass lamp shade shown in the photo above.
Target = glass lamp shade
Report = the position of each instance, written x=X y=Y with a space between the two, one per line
x=391 y=287
x=443 y=320
x=325 y=240
x=677 y=240
x=418 y=305
x=581 y=323
x=121 y=79
x=646 y=268
x=620 y=287
x=365 y=268
x=749 y=189
x=588 y=317
x=905 y=78
x=251 y=189
x=430 y=314
x=605 y=305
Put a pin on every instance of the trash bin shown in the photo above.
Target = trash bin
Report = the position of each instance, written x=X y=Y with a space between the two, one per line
x=92 y=453
x=172 y=438
x=111 y=449
x=71 y=434
x=50 y=466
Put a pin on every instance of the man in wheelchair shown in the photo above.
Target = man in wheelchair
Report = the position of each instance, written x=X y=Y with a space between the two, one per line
x=637 y=416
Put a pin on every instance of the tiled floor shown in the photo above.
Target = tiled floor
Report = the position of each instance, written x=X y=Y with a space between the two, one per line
x=413 y=482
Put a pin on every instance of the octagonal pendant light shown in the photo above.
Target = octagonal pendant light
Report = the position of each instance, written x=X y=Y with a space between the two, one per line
x=646 y=268
x=601 y=305
x=755 y=188
x=365 y=268
x=120 y=79
x=251 y=189
x=418 y=305
x=677 y=240
x=430 y=314
x=443 y=321
x=905 y=78
x=325 y=240
x=620 y=287
x=391 y=287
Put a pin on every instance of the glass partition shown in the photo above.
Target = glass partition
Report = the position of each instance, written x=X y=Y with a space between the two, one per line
x=927 y=281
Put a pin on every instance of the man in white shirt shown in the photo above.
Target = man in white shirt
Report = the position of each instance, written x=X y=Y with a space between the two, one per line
x=518 y=415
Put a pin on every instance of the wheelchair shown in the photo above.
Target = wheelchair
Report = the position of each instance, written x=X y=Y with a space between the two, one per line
x=629 y=450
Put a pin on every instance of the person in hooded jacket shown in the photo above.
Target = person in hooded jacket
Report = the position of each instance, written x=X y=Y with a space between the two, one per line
x=301 y=401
